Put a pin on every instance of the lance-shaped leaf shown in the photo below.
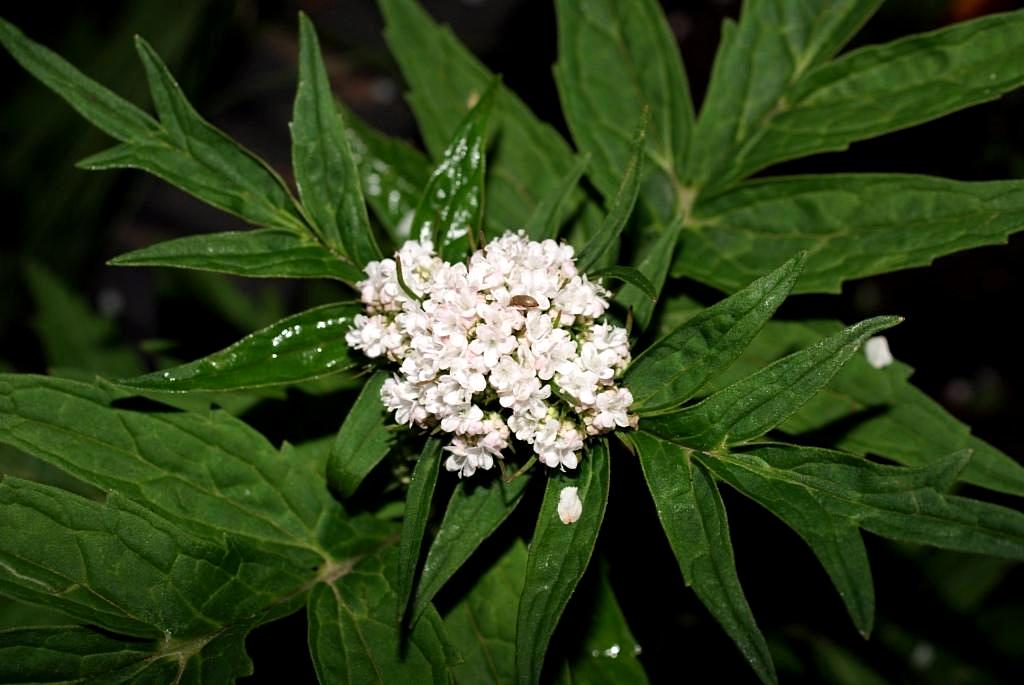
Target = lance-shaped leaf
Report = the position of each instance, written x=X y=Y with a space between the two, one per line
x=132 y=572
x=751 y=407
x=756 y=66
x=483 y=623
x=355 y=639
x=414 y=520
x=474 y=512
x=64 y=654
x=882 y=88
x=907 y=504
x=559 y=554
x=852 y=225
x=450 y=212
x=654 y=265
x=108 y=112
x=393 y=175
x=630 y=276
x=547 y=216
x=529 y=157
x=616 y=59
x=325 y=171
x=206 y=471
x=621 y=205
x=298 y=348
x=886 y=414
x=833 y=538
x=260 y=253
x=675 y=367
x=362 y=441
x=693 y=516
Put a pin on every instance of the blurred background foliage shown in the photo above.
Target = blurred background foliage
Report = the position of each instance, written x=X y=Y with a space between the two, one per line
x=942 y=617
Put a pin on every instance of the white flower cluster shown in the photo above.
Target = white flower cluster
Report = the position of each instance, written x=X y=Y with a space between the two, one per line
x=504 y=344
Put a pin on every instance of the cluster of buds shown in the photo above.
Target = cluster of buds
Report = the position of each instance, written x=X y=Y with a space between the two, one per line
x=505 y=344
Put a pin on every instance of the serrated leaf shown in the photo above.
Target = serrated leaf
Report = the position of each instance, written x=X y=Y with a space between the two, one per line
x=654 y=265
x=362 y=441
x=301 y=347
x=354 y=637
x=414 y=521
x=483 y=623
x=393 y=175
x=881 y=88
x=757 y=64
x=754 y=405
x=106 y=111
x=325 y=171
x=529 y=157
x=133 y=572
x=853 y=225
x=886 y=413
x=621 y=206
x=450 y=212
x=559 y=555
x=907 y=504
x=834 y=539
x=692 y=514
x=207 y=472
x=189 y=153
x=546 y=217
x=474 y=512
x=629 y=275
x=72 y=335
x=615 y=60
x=675 y=367
x=259 y=253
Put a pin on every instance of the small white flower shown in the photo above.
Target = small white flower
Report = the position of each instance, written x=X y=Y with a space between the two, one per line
x=876 y=350
x=570 y=507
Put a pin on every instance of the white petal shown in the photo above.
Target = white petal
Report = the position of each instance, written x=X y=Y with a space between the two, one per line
x=569 y=505
x=876 y=349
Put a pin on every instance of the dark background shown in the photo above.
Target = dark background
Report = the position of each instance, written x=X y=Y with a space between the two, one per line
x=942 y=617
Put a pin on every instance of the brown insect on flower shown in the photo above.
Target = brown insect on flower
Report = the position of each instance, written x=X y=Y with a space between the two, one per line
x=523 y=302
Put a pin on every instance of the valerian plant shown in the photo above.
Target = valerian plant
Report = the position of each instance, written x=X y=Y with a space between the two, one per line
x=492 y=349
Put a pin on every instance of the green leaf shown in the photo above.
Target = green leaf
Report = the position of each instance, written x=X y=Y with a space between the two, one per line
x=301 y=347
x=108 y=112
x=325 y=171
x=853 y=225
x=834 y=539
x=362 y=441
x=72 y=335
x=882 y=88
x=207 y=472
x=906 y=504
x=628 y=274
x=393 y=175
x=261 y=253
x=483 y=623
x=193 y=155
x=616 y=59
x=751 y=407
x=547 y=216
x=559 y=554
x=654 y=265
x=450 y=211
x=528 y=158
x=607 y=652
x=132 y=572
x=758 y=65
x=886 y=414
x=474 y=512
x=621 y=205
x=354 y=638
x=414 y=521
x=678 y=365
x=693 y=516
